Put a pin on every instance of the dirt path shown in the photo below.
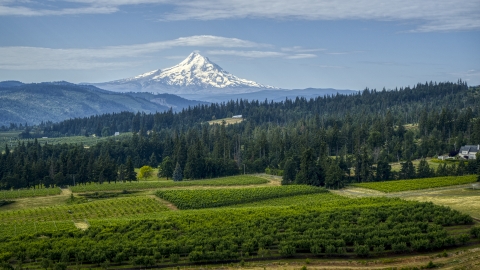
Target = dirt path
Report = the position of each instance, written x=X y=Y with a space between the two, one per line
x=81 y=225
x=166 y=203
x=458 y=197
x=66 y=192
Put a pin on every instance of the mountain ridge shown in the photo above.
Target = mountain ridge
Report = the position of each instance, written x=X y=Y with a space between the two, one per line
x=57 y=101
x=196 y=74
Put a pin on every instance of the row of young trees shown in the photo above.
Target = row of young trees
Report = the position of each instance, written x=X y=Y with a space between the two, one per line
x=318 y=141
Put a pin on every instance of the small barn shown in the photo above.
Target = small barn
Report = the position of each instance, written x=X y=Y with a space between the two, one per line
x=237 y=116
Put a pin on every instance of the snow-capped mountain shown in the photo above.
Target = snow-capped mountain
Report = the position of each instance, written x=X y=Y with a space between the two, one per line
x=194 y=75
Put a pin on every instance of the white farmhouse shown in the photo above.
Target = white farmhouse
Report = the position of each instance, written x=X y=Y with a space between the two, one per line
x=237 y=116
x=469 y=151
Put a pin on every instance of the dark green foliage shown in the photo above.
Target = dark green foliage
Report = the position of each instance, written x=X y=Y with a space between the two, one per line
x=335 y=178
x=407 y=171
x=225 y=234
x=166 y=168
x=384 y=170
x=362 y=250
x=475 y=232
x=130 y=173
x=376 y=129
x=311 y=172
x=5 y=202
x=286 y=249
x=177 y=173
x=423 y=170
x=289 y=171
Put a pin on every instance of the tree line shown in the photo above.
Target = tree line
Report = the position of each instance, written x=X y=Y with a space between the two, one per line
x=326 y=141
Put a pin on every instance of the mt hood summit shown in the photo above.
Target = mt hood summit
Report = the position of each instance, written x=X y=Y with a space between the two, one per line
x=194 y=75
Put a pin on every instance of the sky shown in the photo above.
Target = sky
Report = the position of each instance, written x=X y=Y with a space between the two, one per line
x=341 y=44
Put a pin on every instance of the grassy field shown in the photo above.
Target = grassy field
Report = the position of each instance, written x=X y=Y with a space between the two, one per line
x=415 y=184
x=11 y=139
x=238 y=180
x=22 y=193
x=228 y=121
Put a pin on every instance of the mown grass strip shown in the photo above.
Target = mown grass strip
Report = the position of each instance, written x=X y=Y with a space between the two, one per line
x=196 y=199
x=24 y=193
x=138 y=185
x=416 y=184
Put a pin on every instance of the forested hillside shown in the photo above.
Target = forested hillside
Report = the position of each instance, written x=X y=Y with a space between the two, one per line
x=42 y=102
x=326 y=141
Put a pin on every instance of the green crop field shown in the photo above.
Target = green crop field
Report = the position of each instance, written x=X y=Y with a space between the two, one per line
x=138 y=229
x=139 y=185
x=108 y=208
x=226 y=234
x=22 y=193
x=415 y=184
x=324 y=201
x=196 y=199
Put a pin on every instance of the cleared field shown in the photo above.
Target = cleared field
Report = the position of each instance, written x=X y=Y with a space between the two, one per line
x=396 y=166
x=228 y=121
x=415 y=184
x=196 y=199
x=23 y=193
x=239 y=180
x=11 y=138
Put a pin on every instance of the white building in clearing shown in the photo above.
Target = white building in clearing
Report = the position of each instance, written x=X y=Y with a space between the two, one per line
x=237 y=116
x=469 y=151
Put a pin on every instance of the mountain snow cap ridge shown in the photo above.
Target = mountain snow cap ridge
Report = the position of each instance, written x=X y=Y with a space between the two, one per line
x=195 y=71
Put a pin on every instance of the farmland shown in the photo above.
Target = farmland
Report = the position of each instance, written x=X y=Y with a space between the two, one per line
x=196 y=199
x=416 y=184
x=31 y=192
x=138 y=229
x=139 y=185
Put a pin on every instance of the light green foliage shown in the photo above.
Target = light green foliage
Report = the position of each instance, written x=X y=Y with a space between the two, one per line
x=22 y=193
x=195 y=199
x=414 y=184
x=225 y=181
x=145 y=172
x=108 y=208
x=270 y=231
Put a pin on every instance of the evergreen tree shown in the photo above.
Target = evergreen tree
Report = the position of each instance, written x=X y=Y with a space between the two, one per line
x=310 y=172
x=384 y=170
x=335 y=176
x=166 y=168
x=130 y=173
x=423 y=170
x=289 y=171
x=177 y=173
x=408 y=170
x=153 y=161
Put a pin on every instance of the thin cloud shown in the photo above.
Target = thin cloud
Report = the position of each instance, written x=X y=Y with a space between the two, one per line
x=299 y=49
x=301 y=56
x=31 y=58
x=428 y=15
x=249 y=54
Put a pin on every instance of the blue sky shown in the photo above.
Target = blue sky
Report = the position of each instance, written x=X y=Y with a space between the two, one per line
x=343 y=44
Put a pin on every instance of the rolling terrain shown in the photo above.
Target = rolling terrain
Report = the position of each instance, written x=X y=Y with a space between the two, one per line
x=54 y=102
x=131 y=216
